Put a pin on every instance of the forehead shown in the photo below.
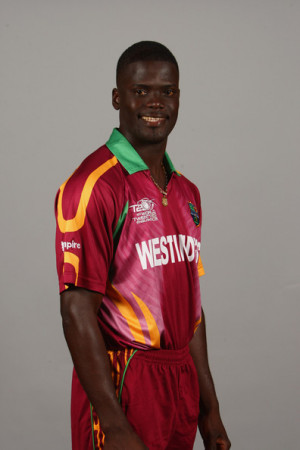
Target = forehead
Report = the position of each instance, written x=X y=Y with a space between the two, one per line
x=149 y=72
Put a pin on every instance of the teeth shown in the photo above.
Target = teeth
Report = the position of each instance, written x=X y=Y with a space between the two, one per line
x=151 y=119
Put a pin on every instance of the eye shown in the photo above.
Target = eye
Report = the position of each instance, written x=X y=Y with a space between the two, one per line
x=170 y=91
x=140 y=91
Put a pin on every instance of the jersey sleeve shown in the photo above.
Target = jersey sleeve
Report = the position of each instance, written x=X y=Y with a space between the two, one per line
x=200 y=267
x=84 y=235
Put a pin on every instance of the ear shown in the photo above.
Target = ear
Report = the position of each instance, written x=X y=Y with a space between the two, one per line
x=115 y=99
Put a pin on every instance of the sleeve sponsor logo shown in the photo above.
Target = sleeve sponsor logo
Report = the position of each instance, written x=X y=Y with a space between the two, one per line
x=144 y=211
x=167 y=249
x=66 y=245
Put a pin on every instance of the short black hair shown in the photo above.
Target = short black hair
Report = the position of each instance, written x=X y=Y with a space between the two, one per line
x=145 y=51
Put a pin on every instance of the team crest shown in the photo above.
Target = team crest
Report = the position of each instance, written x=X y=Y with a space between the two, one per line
x=194 y=214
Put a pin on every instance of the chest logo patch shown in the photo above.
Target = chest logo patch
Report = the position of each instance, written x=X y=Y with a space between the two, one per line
x=143 y=211
x=194 y=213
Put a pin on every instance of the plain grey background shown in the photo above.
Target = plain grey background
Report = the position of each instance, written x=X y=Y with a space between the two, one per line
x=237 y=138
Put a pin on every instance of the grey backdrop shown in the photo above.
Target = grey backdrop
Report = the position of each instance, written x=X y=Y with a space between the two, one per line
x=237 y=138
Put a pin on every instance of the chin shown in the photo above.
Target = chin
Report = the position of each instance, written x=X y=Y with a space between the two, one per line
x=155 y=136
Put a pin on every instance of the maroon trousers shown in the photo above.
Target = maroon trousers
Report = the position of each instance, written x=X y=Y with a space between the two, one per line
x=159 y=393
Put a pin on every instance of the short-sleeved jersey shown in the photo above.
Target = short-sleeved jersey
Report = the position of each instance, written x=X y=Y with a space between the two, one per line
x=115 y=236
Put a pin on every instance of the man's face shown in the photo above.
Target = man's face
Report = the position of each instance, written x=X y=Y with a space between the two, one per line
x=147 y=97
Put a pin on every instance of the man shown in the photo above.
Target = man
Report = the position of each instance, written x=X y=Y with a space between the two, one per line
x=128 y=259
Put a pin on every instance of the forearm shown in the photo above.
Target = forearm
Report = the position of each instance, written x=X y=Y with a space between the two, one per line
x=198 y=350
x=210 y=424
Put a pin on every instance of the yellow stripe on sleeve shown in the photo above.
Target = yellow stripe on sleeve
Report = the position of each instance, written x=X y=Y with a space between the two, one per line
x=200 y=267
x=78 y=221
x=197 y=324
x=72 y=259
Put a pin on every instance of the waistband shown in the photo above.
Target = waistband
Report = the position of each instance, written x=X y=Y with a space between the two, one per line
x=160 y=356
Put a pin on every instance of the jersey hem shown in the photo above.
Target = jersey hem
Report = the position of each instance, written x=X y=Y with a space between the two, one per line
x=91 y=285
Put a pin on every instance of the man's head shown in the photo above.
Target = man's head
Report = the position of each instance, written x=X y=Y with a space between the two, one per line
x=147 y=93
x=145 y=51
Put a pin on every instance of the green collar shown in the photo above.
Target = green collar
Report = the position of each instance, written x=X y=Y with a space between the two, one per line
x=128 y=156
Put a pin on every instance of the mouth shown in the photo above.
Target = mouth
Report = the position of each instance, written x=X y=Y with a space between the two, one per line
x=153 y=120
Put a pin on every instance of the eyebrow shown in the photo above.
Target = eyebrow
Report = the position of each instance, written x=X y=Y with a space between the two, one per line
x=140 y=85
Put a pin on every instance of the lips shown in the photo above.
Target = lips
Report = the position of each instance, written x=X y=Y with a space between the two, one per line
x=153 y=120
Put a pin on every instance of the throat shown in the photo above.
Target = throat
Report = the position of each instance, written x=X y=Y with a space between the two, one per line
x=161 y=183
x=160 y=175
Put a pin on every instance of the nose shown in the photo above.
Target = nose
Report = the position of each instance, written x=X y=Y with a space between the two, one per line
x=155 y=100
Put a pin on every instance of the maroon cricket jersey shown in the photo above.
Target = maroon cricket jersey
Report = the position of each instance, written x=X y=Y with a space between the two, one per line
x=115 y=236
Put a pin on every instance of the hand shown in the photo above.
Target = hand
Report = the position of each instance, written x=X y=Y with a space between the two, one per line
x=123 y=440
x=213 y=432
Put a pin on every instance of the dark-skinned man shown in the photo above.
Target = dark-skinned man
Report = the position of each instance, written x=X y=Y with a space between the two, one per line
x=128 y=260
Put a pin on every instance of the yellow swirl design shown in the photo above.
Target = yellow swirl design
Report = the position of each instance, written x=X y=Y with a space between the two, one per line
x=77 y=222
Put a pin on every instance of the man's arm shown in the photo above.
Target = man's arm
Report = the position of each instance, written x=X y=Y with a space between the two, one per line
x=79 y=309
x=210 y=424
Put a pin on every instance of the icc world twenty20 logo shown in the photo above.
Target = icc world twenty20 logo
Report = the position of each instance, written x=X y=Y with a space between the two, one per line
x=144 y=211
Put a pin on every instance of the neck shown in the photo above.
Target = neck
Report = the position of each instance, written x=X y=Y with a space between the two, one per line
x=153 y=158
x=152 y=153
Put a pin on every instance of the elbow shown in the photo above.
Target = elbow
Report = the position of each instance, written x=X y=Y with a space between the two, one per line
x=70 y=317
x=73 y=314
x=79 y=308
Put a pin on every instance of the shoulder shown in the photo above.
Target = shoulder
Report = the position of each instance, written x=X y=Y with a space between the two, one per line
x=100 y=166
x=99 y=176
x=187 y=186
